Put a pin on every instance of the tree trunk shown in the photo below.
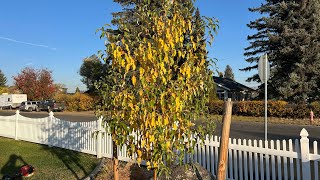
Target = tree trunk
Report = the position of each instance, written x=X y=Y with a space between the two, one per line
x=155 y=174
x=115 y=161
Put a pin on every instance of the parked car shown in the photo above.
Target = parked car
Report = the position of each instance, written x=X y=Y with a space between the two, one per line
x=51 y=105
x=30 y=106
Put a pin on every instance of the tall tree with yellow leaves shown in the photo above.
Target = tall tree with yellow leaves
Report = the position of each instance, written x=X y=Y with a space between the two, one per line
x=151 y=91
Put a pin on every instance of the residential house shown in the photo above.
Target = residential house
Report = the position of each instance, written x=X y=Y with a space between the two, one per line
x=228 y=88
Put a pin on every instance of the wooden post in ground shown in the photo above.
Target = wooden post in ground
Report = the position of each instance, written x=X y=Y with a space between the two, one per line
x=224 y=141
x=155 y=174
x=115 y=161
x=311 y=117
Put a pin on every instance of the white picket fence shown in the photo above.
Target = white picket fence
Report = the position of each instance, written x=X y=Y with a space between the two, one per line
x=247 y=159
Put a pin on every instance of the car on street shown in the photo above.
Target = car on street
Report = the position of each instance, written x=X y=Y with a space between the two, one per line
x=29 y=106
x=51 y=105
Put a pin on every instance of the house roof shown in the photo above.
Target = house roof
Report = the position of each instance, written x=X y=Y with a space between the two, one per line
x=230 y=84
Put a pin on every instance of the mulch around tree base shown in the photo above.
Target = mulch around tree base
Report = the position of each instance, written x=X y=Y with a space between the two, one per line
x=131 y=171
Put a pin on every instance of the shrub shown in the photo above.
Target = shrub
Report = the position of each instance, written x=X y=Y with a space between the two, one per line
x=316 y=108
x=275 y=109
x=76 y=102
x=216 y=107
x=248 y=108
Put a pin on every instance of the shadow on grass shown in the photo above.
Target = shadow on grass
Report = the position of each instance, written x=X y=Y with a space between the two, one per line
x=69 y=158
x=12 y=166
x=67 y=140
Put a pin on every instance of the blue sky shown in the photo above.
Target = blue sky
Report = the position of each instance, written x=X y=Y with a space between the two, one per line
x=59 y=34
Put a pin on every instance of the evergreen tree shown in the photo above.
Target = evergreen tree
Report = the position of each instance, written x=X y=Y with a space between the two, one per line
x=3 y=79
x=228 y=73
x=77 y=90
x=290 y=36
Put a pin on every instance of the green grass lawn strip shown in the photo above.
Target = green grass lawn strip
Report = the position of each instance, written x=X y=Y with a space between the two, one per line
x=50 y=163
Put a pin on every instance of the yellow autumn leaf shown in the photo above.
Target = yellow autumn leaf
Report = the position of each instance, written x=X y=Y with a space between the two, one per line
x=159 y=121
x=166 y=121
x=165 y=48
x=153 y=122
x=133 y=66
x=115 y=53
x=139 y=153
x=151 y=139
x=127 y=67
x=146 y=123
x=155 y=164
x=134 y=80
x=181 y=39
x=148 y=165
x=197 y=69
x=149 y=55
x=178 y=104
x=194 y=46
x=174 y=126
x=139 y=160
x=168 y=145
x=141 y=70
x=188 y=72
x=123 y=63
x=140 y=92
x=143 y=143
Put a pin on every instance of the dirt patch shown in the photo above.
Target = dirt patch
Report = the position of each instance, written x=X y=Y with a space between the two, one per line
x=131 y=171
x=127 y=171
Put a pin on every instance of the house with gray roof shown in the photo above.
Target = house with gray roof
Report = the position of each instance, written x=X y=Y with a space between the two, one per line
x=228 y=88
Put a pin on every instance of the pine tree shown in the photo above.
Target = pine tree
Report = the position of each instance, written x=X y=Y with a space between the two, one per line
x=3 y=79
x=77 y=90
x=290 y=36
x=228 y=73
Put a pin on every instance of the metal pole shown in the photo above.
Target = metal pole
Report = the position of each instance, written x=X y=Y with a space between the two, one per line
x=265 y=100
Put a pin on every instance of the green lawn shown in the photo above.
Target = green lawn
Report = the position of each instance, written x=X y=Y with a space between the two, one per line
x=50 y=163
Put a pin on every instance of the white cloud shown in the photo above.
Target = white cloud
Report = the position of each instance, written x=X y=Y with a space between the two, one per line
x=27 y=43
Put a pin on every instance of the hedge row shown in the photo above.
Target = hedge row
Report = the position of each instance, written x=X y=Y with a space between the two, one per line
x=275 y=109
x=76 y=102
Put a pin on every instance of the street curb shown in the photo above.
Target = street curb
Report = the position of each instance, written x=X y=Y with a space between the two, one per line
x=95 y=171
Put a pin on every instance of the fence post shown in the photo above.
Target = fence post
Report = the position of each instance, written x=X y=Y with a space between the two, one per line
x=50 y=132
x=16 y=125
x=99 y=137
x=305 y=155
x=223 y=150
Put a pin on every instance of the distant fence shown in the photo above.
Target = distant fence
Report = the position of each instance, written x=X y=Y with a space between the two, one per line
x=247 y=159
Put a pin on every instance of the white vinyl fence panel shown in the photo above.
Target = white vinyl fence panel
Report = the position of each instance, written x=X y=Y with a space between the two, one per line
x=247 y=159
x=7 y=126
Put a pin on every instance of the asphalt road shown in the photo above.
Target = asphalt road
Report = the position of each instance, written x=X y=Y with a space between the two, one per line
x=242 y=130
x=255 y=130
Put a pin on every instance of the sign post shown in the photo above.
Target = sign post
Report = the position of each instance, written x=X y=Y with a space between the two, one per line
x=264 y=74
